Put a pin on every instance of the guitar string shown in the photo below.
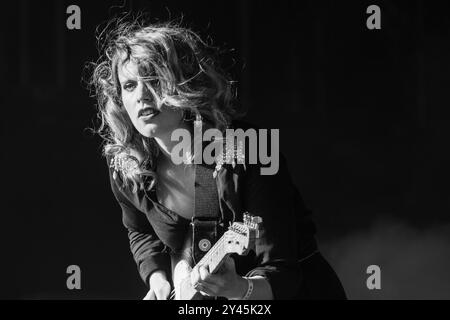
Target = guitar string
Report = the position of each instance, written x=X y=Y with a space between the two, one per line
x=206 y=257
x=211 y=251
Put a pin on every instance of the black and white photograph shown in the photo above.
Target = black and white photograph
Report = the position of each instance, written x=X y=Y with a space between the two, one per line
x=225 y=151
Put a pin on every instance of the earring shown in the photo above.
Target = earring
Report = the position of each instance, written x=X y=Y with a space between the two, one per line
x=198 y=120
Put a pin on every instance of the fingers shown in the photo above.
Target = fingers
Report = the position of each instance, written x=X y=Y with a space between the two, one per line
x=204 y=273
x=150 y=295
x=163 y=292
x=206 y=290
x=159 y=293
x=201 y=274
x=162 y=295
x=195 y=276
x=220 y=284
x=205 y=282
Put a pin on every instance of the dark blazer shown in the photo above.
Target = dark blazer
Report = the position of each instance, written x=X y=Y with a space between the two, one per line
x=286 y=237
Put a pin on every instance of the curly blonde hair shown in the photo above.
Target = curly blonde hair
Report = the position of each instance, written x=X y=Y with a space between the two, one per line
x=188 y=78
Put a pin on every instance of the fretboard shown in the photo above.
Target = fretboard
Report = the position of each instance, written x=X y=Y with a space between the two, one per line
x=215 y=256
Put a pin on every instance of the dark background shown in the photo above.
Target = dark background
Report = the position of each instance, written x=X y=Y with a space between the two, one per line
x=363 y=118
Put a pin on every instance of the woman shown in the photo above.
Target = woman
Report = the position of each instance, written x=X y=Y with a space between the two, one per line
x=152 y=81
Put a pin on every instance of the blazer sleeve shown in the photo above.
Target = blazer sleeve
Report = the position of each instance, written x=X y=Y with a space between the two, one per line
x=276 y=200
x=149 y=252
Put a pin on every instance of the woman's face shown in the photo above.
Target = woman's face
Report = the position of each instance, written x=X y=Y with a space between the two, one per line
x=140 y=99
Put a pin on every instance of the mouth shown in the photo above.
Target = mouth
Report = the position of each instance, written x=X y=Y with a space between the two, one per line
x=148 y=113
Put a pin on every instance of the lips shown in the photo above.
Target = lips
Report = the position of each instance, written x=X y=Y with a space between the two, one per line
x=148 y=112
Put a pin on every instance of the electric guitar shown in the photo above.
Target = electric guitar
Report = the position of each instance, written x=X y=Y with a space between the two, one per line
x=240 y=238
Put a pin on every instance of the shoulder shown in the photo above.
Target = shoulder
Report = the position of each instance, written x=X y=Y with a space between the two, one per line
x=115 y=179
x=118 y=185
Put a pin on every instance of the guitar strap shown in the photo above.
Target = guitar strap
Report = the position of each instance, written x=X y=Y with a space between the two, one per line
x=206 y=221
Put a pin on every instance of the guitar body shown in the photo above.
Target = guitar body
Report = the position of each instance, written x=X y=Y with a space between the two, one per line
x=181 y=279
x=240 y=239
x=183 y=261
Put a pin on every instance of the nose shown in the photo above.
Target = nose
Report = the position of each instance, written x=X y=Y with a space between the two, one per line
x=144 y=93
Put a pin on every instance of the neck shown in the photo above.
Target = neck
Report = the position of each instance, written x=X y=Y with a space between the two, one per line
x=166 y=144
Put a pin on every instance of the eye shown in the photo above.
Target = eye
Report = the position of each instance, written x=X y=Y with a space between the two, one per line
x=154 y=83
x=129 y=85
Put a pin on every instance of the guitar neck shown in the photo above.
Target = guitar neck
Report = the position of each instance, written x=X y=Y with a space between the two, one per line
x=213 y=260
x=215 y=256
x=239 y=239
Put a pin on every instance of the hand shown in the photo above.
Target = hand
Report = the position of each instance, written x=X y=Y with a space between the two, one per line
x=225 y=283
x=159 y=287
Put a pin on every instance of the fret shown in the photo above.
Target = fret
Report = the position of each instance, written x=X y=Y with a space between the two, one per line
x=239 y=239
x=214 y=256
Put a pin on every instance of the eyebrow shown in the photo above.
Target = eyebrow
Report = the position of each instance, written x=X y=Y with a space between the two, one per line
x=123 y=77
x=124 y=80
x=127 y=80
